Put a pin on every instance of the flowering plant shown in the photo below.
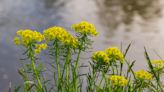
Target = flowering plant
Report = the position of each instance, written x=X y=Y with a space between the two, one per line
x=109 y=70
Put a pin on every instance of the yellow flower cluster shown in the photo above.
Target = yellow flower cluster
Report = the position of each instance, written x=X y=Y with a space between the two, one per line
x=118 y=80
x=17 y=40
x=40 y=47
x=60 y=34
x=27 y=36
x=100 y=56
x=141 y=74
x=85 y=27
x=115 y=54
x=158 y=63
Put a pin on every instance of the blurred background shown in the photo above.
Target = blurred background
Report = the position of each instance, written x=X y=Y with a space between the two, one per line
x=117 y=21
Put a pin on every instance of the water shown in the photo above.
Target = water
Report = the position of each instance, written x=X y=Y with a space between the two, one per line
x=117 y=21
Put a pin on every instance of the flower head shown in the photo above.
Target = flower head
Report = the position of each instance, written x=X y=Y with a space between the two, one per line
x=16 y=40
x=60 y=34
x=42 y=46
x=158 y=64
x=144 y=75
x=27 y=36
x=118 y=80
x=39 y=47
x=115 y=54
x=85 y=27
x=53 y=33
x=100 y=56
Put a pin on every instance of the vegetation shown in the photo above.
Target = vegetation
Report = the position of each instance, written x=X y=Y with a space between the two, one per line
x=109 y=71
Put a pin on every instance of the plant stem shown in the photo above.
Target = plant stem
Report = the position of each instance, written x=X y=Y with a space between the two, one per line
x=67 y=67
x=57 y=64
x=31 y=56
x=140 y=87
x=121 y=68
x=75 y=80
x=100 y=82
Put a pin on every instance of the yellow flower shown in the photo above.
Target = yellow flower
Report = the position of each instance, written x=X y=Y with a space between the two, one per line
x=118 y=80
x=17 y=40
x=59 y=33
x=53 y=33
x=37 y=51
x=142 y=74
x=115 y=54
x=85 y=27
x=158 y=63
x=100 y=56
x=28 y=36
x=42 y=46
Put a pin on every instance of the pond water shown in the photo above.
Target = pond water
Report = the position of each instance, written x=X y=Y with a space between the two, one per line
x=117 y=21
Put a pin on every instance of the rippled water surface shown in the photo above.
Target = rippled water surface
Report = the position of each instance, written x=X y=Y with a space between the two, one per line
x=117 y=21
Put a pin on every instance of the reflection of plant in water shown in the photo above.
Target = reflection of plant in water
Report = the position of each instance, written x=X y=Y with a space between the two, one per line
x=51 y=4
x=125 y=10
x=106 y=67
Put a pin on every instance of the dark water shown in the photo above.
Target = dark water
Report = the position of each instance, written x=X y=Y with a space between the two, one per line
x=117 y=21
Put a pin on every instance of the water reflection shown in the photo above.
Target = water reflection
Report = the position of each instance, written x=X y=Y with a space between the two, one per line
x=147 y=9
x=51 y=4
x=114 y=12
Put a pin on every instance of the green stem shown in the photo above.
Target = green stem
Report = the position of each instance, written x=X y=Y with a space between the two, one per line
x=25 y=87
x=75 y=70
x=94 y=80
x=67 y=66
x=108 y=85
x=116 y=69
x=93 y=83
x=77 y=60
x=31 y=55
x=113 y=70
x=57 y=64
x=75 y=81
x=63 y=70
x=37 y=75
x=140 y=88
x=101 y=81
x=121 y=68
